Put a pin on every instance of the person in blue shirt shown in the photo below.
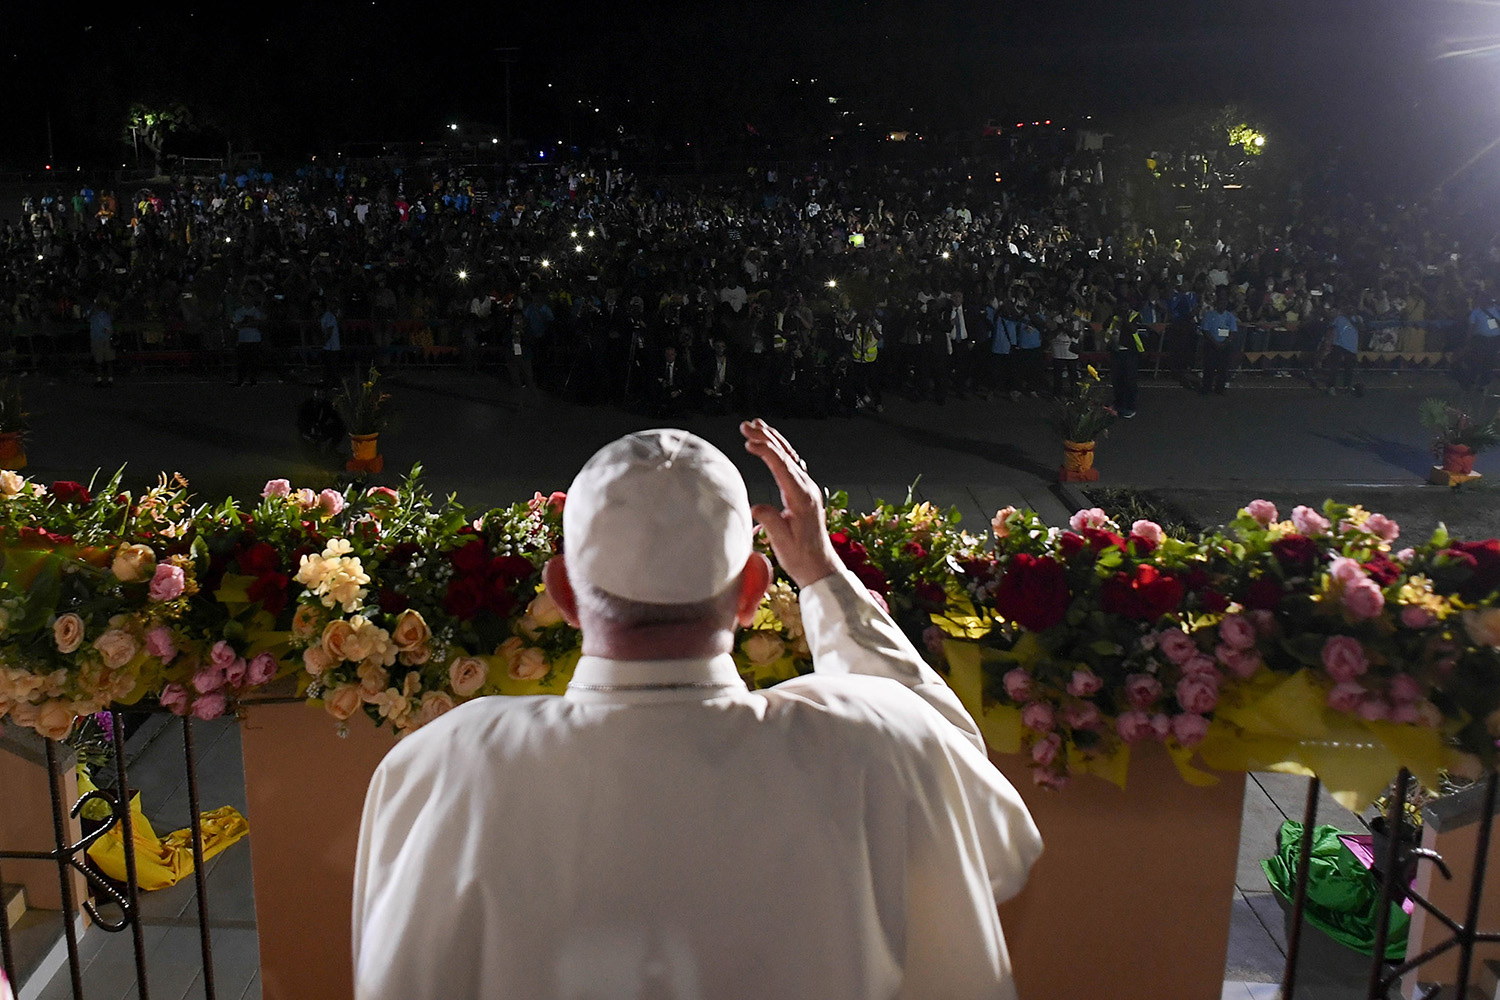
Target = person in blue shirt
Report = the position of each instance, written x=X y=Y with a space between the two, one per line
x=1030 y=365
x=1483 y=344
x=1002 y=343
x=1343 y=349
x=1218 y=328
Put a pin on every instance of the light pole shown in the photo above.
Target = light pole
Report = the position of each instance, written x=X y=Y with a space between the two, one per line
x=507 y=58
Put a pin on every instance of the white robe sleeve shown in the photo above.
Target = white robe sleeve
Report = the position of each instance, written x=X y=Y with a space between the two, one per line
x=848 y=633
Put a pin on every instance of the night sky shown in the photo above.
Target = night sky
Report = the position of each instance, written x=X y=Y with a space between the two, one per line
x=1366 y=72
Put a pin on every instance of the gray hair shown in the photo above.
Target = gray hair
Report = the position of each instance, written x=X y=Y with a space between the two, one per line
x=624 y=612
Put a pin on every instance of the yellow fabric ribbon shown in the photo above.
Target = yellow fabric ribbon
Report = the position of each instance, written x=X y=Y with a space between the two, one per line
x=162 y=861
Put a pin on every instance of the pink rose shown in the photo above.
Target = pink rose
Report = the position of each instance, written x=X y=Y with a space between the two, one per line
x=1429 y=715
x=1038 y=716
x=276 y=488
x=1237 y=631
x=1049 y=779
x=932 y=638
x=1084 y=683
x=1198 y=693
x=466 y=675
x=1405 y=690
x=222 y=655
x=1263 y=620
x=1363 y=599
x=1134 y=726
x=1374 y=709
x=1000 y=523
x=167 y=583
x=1201 y=663
x=306 y=498
x=1141 y=690
x=235 y=672
x=1161 y=726
x=160 y=645
x=1189 y=729
x=1044 y=751
x=210 y=706
x=879 y=600
x=174 y=698
x=1243 y=663
x=1406 y=555
x=1018 y=685
x=330 y=503
x=1406 y=714
x=1345 y=570
x=1148 y=531
x=1346 y=697
x=1093 y=517
x=1081 y=715
x=1382 y=527
x=382 y=493
x=1263 y=511
x=1344 y=658
x=208 y=679
x=262 y=669
x=1413 y=616
x=1309 y=522
x=1176 y=645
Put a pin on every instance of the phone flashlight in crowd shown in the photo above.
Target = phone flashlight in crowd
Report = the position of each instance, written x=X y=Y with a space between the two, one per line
x=463 y=275
x=832 y=283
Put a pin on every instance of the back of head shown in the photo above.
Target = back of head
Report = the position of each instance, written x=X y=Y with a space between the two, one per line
x=657 y=528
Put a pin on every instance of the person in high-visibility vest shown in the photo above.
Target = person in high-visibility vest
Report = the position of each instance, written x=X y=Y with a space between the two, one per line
x=864 y=352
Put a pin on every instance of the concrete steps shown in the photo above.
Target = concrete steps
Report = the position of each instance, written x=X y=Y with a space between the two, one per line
x=13 y=902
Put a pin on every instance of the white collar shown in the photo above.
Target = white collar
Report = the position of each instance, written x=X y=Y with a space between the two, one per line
x=598 y=679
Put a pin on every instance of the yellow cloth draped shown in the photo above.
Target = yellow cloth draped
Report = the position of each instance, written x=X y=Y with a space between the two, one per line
x=162 y=861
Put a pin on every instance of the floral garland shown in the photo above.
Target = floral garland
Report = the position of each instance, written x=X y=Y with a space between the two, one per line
x=1271 y=643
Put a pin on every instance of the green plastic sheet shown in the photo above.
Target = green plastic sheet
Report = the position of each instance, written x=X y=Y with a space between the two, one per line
x=1342 y=894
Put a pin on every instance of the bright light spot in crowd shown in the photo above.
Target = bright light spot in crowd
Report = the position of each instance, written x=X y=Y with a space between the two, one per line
x=574 y=233
x=1259 y=140
x=832 y=283
x=454 y=126
x=494 y=142
x=546 y=262
x=946 y=255
x=226 y=239
x=463 y=275
x=591 y=232
x=578 y=247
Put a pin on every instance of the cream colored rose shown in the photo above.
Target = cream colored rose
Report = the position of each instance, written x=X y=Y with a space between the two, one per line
x=24 y=713
x=466 y=675
x=315 y=659
x=336 y=636
x=434 y=704
x=416 y=657
x=11 y=483
x=373 y=678
x=117 y=648
x=133 y=563
x=67 y=632
x=761 y=648
x=531 y=665
x=1000 y=523
x=544 y=610
x=411 y=631
x=54 y=719
x=509 y=651
x=343 y=701
x=1483 y=626
x=307 y=621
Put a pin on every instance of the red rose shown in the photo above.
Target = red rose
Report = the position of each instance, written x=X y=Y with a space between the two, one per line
x=259 y=559
x=1296 y=553
x=466 y=597
x=1033 y=592
x=872 y=578
x=1070 y=544
x=1263 y=593
x=270 y=590
x=392 y=602
x=915 y=550
x=401 y=555
x=930 y=595
x=40 y=538
x=511 y=569
x=1486 y=559
x=67 y=491
x=1147 y=595
x=851 y=552
x=1213 y=601
x=470 y=558
x=1382 y=570
x=1099 y=539
x=499 y=599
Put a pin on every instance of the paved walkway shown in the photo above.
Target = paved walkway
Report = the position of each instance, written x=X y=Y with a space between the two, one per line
x=1209 y=455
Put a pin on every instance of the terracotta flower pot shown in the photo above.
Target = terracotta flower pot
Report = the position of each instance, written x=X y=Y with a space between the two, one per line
x=1458 y=458
x=12 y=450
x=366 y=448
x=1078 y=463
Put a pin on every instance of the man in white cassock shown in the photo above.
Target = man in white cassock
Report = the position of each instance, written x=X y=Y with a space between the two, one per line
x=660 y=831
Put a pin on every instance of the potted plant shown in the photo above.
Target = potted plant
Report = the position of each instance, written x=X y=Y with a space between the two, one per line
x=14 y=423
x=361 y=405
x=1457 y=436
x=1082 y=417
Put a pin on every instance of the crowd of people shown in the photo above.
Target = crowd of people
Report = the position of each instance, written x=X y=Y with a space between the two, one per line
x=809 y=290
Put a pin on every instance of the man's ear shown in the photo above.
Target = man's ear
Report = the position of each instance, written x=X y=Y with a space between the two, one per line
x=560 y=588
x=754 y=582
